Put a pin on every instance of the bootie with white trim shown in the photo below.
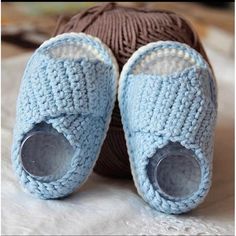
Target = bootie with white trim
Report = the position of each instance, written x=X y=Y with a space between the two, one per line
x=64 y=108
x=167 y=99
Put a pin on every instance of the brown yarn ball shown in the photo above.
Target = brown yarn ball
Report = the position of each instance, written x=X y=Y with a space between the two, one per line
x=124 y=30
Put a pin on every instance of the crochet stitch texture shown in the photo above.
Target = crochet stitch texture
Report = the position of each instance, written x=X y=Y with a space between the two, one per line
x=70 y=82
x=160 y=108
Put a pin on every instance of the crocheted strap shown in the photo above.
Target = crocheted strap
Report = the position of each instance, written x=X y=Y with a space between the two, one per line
x=178 y=107
x=169 y=91
x=63 y=76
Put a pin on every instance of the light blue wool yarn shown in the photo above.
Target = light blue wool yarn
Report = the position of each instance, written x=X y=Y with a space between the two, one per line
x=157 y=109
x=75 y=93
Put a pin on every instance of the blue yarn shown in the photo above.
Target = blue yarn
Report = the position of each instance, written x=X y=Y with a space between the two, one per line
x=159 y=109
x=75 y=96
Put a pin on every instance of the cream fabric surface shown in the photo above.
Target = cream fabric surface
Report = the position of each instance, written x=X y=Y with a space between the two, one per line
x=108 y=206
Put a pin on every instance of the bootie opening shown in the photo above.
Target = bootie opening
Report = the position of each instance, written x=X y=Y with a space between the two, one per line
x=174 y=172
x=45 y=153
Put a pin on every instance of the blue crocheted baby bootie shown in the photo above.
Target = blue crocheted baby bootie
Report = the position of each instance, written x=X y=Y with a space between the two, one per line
x=64 y=108
x=167 y=98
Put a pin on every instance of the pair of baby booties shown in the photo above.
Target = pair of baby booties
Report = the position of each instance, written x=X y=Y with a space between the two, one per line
x=166 y=93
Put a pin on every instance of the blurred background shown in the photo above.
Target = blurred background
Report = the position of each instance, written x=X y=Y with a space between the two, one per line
x=26 y=25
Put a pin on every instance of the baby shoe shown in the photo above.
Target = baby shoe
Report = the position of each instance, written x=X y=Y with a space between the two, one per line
x=64 y=108
x=167 y=99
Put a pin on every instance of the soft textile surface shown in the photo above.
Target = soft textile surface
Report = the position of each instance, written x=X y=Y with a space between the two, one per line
x=107 y=206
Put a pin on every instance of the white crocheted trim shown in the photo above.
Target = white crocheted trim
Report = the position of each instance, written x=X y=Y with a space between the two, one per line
x=79 y=50
x=164 y=62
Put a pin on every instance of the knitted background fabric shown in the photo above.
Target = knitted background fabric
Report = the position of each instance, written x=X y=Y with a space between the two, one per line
x=158 y=107
x=74 y=93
